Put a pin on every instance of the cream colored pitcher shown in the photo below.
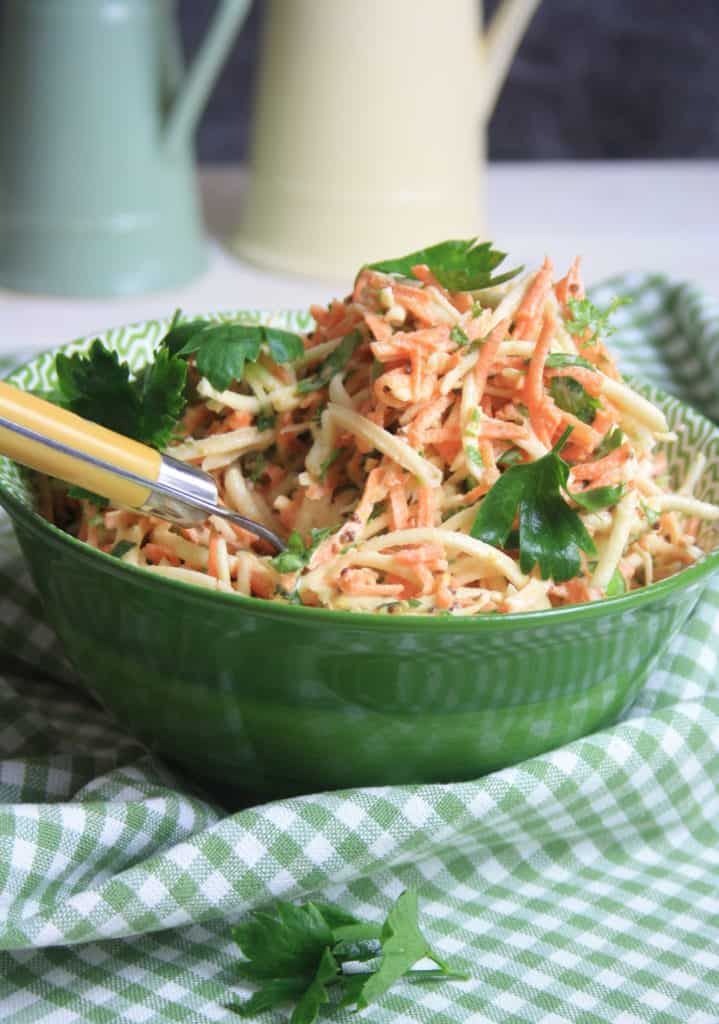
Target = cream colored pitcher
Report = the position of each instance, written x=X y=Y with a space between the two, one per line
x=369 y=130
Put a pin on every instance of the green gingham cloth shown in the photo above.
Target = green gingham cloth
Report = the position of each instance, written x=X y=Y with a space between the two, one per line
x=582 y=885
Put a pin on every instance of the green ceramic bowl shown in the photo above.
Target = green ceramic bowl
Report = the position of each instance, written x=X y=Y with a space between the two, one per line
x=274 y=700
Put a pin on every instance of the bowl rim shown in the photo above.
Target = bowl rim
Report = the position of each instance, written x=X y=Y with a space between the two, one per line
x=683 y=580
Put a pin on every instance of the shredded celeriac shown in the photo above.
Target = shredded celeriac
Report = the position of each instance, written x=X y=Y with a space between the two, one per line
x=388 y=460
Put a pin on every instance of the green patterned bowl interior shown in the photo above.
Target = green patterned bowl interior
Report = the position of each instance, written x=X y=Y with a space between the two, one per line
x=275 y=699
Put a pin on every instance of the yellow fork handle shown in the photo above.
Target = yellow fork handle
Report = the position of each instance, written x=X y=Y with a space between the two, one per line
x=80 y=435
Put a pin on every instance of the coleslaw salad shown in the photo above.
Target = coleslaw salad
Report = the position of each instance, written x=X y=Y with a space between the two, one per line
x=422 y=456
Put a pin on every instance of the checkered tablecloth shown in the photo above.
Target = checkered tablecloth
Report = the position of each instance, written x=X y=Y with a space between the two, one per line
x=582 y=885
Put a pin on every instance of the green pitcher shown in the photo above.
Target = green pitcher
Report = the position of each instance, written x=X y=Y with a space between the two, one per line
x=97 y=184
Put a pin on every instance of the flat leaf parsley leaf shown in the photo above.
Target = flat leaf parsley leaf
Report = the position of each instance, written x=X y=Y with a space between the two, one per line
x=551 y=534
x=585 y=316
x=458 y=264
x=98 y=387
x=316 y=994
x=284 y=346
x=222 y=349
x=161 y=386
x=221 y=352
x=403 y=944
x=80 y=494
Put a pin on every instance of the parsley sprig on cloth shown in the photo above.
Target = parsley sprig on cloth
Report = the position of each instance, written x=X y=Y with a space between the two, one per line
x=298 y=954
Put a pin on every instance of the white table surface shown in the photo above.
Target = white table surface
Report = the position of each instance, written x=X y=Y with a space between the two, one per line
x=659 y=216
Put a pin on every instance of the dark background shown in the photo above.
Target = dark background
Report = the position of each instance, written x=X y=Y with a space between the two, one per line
x=594 y=79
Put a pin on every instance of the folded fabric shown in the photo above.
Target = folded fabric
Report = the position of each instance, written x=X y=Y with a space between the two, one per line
x=582 y=885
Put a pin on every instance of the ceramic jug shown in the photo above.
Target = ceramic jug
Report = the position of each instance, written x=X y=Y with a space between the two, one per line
x=368 y=136
x=97 y=182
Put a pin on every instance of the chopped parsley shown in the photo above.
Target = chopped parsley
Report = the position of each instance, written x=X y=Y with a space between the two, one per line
x=254 y=465
x=266 y=419
x=329 y=461
x=650 y=514
x=510 y=456
x=586 y=317
x=458 y=336
x=574 y=398
x=121 y=548
x=298 y=554
x=611 y=440
x=559 y=359
x=475 y=456
x=334 y=362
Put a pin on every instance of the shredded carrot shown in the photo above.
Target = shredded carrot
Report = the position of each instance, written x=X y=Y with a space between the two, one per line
x=261 y=584
x=462 y=301
x=398 y=509
x=590 y=381
x=422 y=272
x=161 y=552
x=500 y=429
x=528 y=317
x=429 y=400
x=428 y=415
x=426 y=506
x=534 y=388
x=212 y=566
x=486 y=450
x=442 y=592
x=571 y=286
x=416 y=302
x=592 y=470
x=487 y=354
x=363 y=583
x=381 y=330
x=584 y=438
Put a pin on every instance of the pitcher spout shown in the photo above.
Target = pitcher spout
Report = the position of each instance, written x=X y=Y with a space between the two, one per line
x=499 y=46
x=194 y=91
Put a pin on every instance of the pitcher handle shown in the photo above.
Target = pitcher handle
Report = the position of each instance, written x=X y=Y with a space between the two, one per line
x=499 y=46
x=199 y=80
